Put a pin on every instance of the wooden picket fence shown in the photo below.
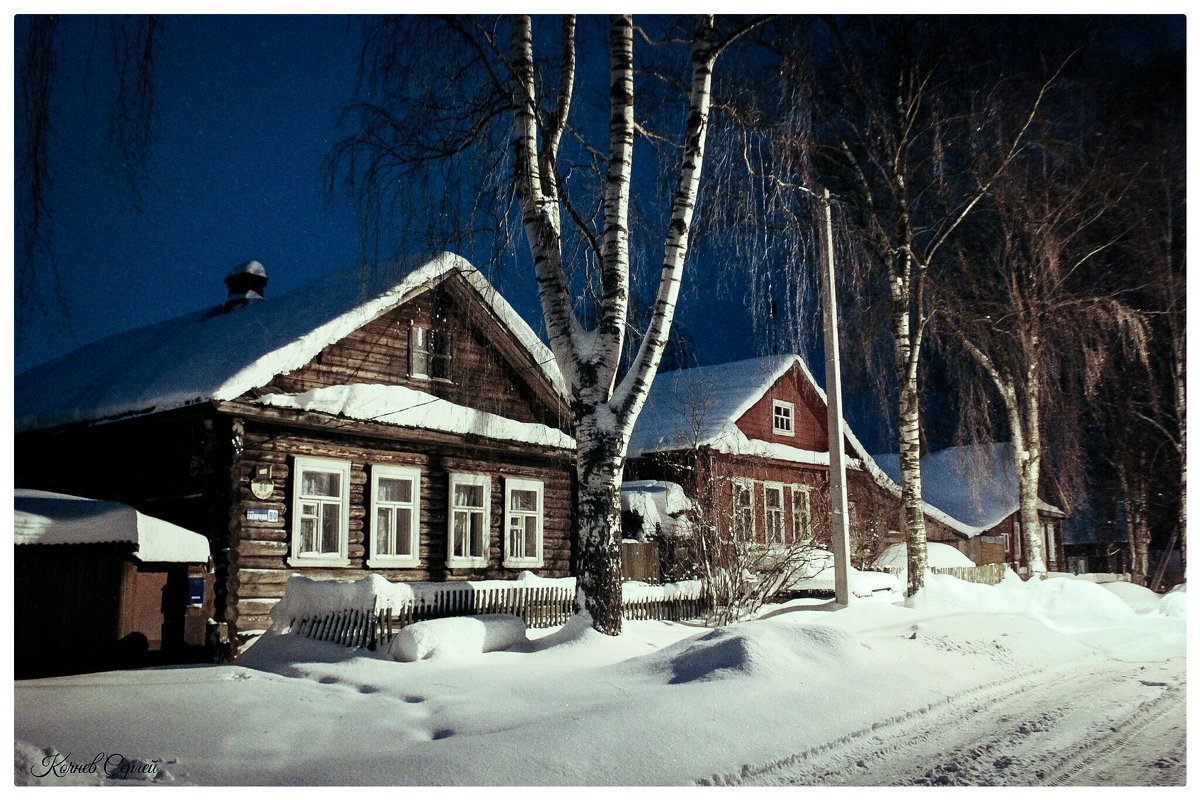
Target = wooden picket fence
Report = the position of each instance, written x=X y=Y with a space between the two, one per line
x=673 y=609
x=538 y=606
x=990 y=574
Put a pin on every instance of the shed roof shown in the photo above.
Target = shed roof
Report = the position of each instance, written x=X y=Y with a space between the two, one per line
x=210 y=355
x=52 y=518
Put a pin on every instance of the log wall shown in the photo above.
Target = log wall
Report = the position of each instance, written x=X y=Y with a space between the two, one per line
x=259 y=551
x=488 y=370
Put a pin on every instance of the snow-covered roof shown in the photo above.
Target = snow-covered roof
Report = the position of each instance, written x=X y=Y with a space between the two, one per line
x=974 y=484
x=52 y=518
x=209 y=355
x=399 y=405
x=700 y=407
x=250 y=267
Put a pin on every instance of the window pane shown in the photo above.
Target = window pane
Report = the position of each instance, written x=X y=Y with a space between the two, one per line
x=531 y=527
x=395 y=490
x=383 y=532
x=308 y=527
x=477 y=535
x=330 y=527
x=466 y=495
x=439 y=343
x=321 y=484
x=774 y=497
x=461 y=523
x=403 y=534
x=524 y=500
x=439 y=366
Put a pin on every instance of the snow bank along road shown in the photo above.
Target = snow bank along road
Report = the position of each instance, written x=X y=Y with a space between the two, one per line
x=1054 y=682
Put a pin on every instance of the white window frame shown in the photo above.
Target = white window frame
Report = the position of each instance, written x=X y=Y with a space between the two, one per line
x=778 y=406
x=805 y=534
x=748 y=485
x=523 y=484
x=375 y=505
x=469 y=479
x=778 y=536
x=300 y=465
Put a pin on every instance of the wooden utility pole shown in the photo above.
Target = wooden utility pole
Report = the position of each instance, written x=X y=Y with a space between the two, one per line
x=839 y=521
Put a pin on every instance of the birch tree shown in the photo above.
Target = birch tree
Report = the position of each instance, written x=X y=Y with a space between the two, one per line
x=1026 y=308
x=441 y=127
x=604 y=410
x=910 y=148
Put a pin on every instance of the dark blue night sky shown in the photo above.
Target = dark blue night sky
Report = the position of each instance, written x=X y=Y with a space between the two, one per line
x=246 y=109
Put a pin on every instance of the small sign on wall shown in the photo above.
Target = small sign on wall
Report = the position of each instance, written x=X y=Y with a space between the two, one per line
x=262 y=514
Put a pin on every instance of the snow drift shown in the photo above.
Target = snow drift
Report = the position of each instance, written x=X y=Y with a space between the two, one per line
x=1064 y=605
x=457 y=637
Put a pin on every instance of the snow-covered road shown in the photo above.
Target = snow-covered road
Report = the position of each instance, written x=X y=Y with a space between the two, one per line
x=1107 y=723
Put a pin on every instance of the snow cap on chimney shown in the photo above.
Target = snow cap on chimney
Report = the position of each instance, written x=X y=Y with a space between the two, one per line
x=247 y=282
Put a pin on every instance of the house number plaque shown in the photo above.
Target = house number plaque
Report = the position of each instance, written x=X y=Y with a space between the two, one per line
x=261 y=484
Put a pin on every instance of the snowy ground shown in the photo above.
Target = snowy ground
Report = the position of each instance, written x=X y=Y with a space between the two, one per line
x=1054 y=682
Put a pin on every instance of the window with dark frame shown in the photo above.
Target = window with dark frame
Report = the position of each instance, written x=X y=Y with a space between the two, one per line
x=429 y=353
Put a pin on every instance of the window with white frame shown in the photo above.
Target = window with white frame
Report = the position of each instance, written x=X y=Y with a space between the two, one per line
x=801 y=514
x=743 y=509
x=1049 y=532
x=783 y=416
x=469 y=520
x=429 y=353
x=395 y=516
x=320 y=512
x=1017 y=543
x=773 y=505
x=523 y=529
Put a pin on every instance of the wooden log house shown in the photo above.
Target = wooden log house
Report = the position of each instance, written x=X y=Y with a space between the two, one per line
x=402 y=420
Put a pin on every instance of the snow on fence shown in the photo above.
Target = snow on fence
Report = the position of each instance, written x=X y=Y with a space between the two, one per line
x=990 y=574
x=539 y=606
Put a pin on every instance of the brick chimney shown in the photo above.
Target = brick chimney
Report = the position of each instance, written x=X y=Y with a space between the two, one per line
x=247 y=283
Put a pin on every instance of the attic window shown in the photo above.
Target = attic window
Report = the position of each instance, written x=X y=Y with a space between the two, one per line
x=429 y=353
x=782 y=415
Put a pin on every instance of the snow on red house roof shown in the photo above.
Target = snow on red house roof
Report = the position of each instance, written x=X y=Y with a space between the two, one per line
x=209 y=355
x=52 y=518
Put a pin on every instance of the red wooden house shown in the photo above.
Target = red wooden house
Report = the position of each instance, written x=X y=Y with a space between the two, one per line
x=402 y=420
x=752 y=435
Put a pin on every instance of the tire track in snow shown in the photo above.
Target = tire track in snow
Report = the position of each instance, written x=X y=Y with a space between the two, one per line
x=891 y=734
x=993 y=734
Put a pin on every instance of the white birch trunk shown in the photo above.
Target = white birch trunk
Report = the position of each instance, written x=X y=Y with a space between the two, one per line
x=908 y=347
x=603 y=418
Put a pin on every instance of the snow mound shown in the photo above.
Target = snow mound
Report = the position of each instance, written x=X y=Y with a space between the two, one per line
x=939 y=555
x=1064 y=605
x=1139 y=598
x=765 y=647
x=1174 y=602
x=457 y=637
